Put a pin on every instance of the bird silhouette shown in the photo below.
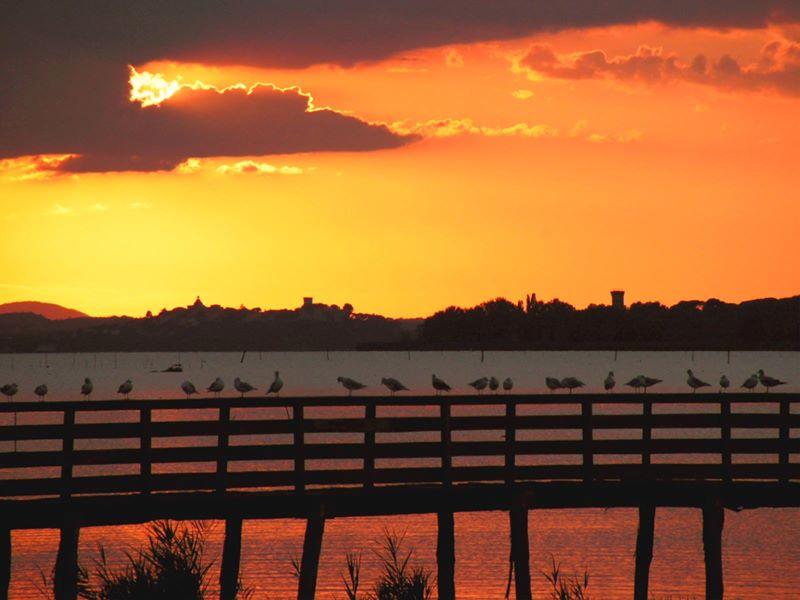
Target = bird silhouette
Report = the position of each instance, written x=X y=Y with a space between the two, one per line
x=393 y=385
x=750 y=383
x=552 y=384
x=695 y=382
x=571 y=383
x=277 y=385
x=9 y=390
x=609 y=382
x=41 y=391
x=636 y=383
x=440 y=385
x=216 y=387
x=87 y=388
x=188 y=389
x=767 y=381
x=351 y=385
x=479 y=384
x=724 y=383
x=508 y=384
x=125 y=388
x=649 y=382
x=493 y=383
x=242 y=386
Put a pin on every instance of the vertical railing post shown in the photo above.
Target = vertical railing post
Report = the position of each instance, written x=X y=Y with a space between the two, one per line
x=783 y=457
x=713 y=522
x=644 y=551
x=520 y=550
x=231 y=559
x=299 y=449
x=370 y=412
x=511 y=440
x=446 y=436
x=647 y=436
x=67 y=449
x=446 y=555
x=309 y=564
x=65 y=576
x=223 y=443
x=588 y=457
x=5 y=560
x=725 y=438
x=145 y=448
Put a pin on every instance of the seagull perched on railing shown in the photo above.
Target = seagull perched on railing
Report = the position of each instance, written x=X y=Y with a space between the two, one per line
x=87 y=388
x=552 y=384
x=216 y=387
x=479 y=384
x=277 y=385
x=695 y=382
x=609 y=382
x=41 y=391
x=9 y=390
x=724 y=383
x=393 y=385
x=242 y=386
x=125 y=388
x=508 y=384
x=636 y=383
x=440 y=385
x=188 y=388
x=351 y=385
x=767 y=381
x=750 y=383
x=571 y=383
x=494 y=383
x=649 y=382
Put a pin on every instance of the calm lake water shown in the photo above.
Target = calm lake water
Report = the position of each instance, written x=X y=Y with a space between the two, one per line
x=761 y=548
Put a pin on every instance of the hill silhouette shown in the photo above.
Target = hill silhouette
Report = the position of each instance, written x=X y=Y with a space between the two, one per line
x=764 y=324
x=54 y=312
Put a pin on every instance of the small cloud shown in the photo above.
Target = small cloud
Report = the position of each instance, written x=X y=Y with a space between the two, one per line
x=453 y=59
x=99 y=207
x=452 y=127
x=578 y=128
x=190 y=165
x=60 y=210
x=522 y=94
x=260 y=168
x=139 y=205
x=407 y=70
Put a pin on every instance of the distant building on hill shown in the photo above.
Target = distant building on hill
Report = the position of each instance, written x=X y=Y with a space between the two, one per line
x=618 y=299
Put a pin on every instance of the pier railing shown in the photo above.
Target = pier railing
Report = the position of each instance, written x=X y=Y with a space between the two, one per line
x=146 y=446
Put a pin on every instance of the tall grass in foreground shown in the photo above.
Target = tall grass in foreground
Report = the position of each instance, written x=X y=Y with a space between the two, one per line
x=399 y=580
x=566 y=588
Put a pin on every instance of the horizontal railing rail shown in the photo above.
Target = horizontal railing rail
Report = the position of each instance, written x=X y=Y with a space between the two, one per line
x=165 y=445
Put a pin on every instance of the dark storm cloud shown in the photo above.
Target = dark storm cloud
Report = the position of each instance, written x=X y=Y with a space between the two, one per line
x=63 y=65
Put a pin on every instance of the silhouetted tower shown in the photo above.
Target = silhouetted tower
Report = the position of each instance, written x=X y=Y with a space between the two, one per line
x=618 y=299
x=308 y=302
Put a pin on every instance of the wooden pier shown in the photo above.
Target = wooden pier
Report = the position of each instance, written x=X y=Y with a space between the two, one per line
x=255 y=458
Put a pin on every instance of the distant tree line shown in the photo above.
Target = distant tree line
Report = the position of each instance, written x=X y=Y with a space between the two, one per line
x=711 y=324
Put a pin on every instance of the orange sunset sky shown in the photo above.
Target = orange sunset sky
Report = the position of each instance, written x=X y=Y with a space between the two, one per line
x=648 y=152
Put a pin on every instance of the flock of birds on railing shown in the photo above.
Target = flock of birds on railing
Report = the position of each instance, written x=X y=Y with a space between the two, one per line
x=492 y=384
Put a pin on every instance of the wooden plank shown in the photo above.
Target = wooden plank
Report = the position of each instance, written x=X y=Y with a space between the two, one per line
x=309 y=566
x=725 y=436
x=370 y=413
x=713 y=522
x=511 y=447
x=231 y=559
x=647 y=432
x=446 y=555
x=785 y=441
x=644 y=552
x=145 y=445
x=446 y=438
x=299 y=451
x=586 y=438
x=67 y=447
x=65 y=576
x=520 y=551
x=222 y=448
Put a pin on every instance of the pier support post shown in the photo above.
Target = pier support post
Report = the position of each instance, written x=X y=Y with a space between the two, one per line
x=446 y=556
x=65 y=578
x=5 y=561
x=713 y=521
x=231 y=557
x=312 y=546
x=644 y=551
x=520 y=551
